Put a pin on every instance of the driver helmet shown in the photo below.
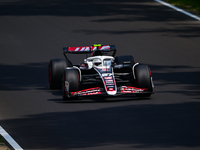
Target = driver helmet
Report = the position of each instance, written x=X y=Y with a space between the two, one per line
x=97 y=62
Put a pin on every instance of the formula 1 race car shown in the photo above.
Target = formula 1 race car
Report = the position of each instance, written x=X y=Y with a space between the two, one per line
x=99 y=74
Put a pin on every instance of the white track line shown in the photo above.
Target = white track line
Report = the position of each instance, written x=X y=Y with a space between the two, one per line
x=178 y=9
x=9 y=139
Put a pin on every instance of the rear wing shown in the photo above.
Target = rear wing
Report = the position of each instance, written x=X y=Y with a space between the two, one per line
x=89 y=49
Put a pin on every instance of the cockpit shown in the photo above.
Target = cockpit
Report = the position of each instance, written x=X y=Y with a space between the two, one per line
x=99 y=61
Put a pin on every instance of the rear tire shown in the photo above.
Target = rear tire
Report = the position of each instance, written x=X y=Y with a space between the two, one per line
x=143 y=79
x=56 y=66
x=125 y=58
x=72 y=76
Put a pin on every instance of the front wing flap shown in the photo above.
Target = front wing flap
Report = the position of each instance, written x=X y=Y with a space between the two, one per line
x=129 y=89
x=85 y=92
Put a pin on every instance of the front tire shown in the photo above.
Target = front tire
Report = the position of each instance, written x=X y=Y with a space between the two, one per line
x=72 y=77
x=143 y=79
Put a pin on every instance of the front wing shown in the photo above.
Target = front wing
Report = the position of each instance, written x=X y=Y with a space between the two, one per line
x=101 y=91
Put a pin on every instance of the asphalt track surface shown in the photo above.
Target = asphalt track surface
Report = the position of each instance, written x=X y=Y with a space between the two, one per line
x=33 y=32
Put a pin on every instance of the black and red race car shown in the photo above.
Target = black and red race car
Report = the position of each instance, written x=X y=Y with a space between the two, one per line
x=99 y=74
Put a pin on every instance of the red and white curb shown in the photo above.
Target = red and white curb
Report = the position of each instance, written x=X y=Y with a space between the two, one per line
x=178 y=9
x=9 y=139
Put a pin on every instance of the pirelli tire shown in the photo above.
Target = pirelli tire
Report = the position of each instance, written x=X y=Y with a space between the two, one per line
x=56 y=67
x=72 y=77
x=125 y=59
x=143 y=79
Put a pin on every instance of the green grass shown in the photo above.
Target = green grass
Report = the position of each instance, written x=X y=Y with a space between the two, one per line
x=192 y=6
x=1 y=139
x=2 y=143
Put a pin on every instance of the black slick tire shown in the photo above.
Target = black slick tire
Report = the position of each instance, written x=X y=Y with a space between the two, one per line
x=73 y=78
x=143 y=79
x=125 y=58
x=56 y=67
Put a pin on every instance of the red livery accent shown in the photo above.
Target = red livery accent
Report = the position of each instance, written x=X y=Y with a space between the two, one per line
x=88 y=48
x=129 y=89
x=105 y=69
x=104 y=47
x=107 y=78
x=85 y=48
x=91 y=91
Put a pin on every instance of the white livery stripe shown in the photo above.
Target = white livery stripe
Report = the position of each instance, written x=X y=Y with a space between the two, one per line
x=77 y=49
x=105 y=47
x=82 y=49
x=9 y=139
x=178 y=9
x=87 y=49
